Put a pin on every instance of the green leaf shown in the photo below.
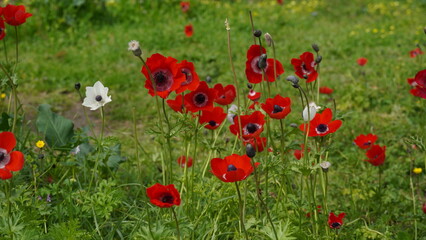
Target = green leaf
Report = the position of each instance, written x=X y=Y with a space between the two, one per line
x=4 y=122
x=57 y=130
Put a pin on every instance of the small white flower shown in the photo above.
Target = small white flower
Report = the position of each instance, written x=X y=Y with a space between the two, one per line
x=325 y=166
x=96 y=96
x=232 y=112
x=312 y=111
x=133 y=45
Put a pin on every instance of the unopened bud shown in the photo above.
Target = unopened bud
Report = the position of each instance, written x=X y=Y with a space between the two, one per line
x=262 y=61
x=250 y=151
x=294 y=81
x=257 y=33
x=77 y=86
x=294 y=125
x=208 y=79
x=268 y=39
x=318 y=59
x=315 y=47
x=249 y=85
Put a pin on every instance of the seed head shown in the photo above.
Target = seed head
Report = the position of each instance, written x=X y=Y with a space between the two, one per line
x=318 y=59
x=262 y=61
x=315 y=47
x=294 y=81
x=208 y=79
x=249 y=85
x=257 y=33
x=77 y=86
x=325 y=165
x=135 y=48
x=250 y=151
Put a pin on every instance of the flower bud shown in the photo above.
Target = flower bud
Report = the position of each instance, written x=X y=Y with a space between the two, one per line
x=315 y=47
x=294 y=81
x=325 y=165
x=208 y=79
x=257 y=33
x=268 y=39
x=135 y=48
x=294 y=125
x=77 y=86
x=262 y=61
x=250 y=151
x=249 y=85
x=318 y=59
x=313 y=108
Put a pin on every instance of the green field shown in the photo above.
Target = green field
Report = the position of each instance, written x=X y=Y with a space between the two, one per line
x=99 y=193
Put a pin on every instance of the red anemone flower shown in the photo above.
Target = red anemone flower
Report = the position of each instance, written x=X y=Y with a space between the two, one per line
x=163 y=196
x=232 y=168
x=15 y=15
x=252 y=125
x=280 y=2
x=322 y=125
x=298 y=153
x=326 y=90
x=277 y=107
x=362 y=61
x=184 y=6
x=304 y=67
x=165 y=73
x=214 y=118
x=253 y=95
x=191 y=77
x=419 y=84
x=177 y=104
x=9 y=161
x=189 y=30
x=414 y=53
x=335 y=222
x=2 y=28
x=225 y=95
x=365 y=141
x=182 y=161
x=201 y=98
x=254 y=73
x=376 y=155
x=254 y=105
x=259 y=143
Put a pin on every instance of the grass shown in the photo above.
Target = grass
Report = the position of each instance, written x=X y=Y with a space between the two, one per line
x=374 y=98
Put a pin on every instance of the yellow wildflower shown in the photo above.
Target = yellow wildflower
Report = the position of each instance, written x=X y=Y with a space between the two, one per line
x=3 y=95
x=40 y=144
x=417 y=170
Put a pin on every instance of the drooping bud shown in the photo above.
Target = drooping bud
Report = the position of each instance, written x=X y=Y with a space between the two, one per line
x=318 y=59
x=325 y=166
x=250 y=151
x=257 y=33
x=315 y=47
x=294 y=81
x=268 y=39
x=262 y=61
x=77 y=86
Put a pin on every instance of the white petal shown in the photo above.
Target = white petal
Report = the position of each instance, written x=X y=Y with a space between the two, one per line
x=312 y=111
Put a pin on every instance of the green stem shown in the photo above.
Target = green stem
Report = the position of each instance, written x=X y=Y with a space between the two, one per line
x=5 y=51
x=241 y=211
x=177 y=222
x=413 y=196
x=17 y=53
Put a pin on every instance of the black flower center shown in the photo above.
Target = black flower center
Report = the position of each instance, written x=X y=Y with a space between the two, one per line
x=160 y=79
x=167 y=199
x=322 y=128
x=251 y=128
x=212 y=123
x=200 y=98
x=231 y=168
x=163 y=80
x=98 y=98
x=335 y=225
x=277 y=109
x=367 y=143
x=2 y=155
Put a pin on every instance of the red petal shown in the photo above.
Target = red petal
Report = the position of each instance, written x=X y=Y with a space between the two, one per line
x=334 y=125
x=16 y=161
x=7 y=141
x=5 y=174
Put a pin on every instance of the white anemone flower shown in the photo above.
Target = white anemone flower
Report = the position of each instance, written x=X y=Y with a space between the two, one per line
x=96 y=96
x=312 y=111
